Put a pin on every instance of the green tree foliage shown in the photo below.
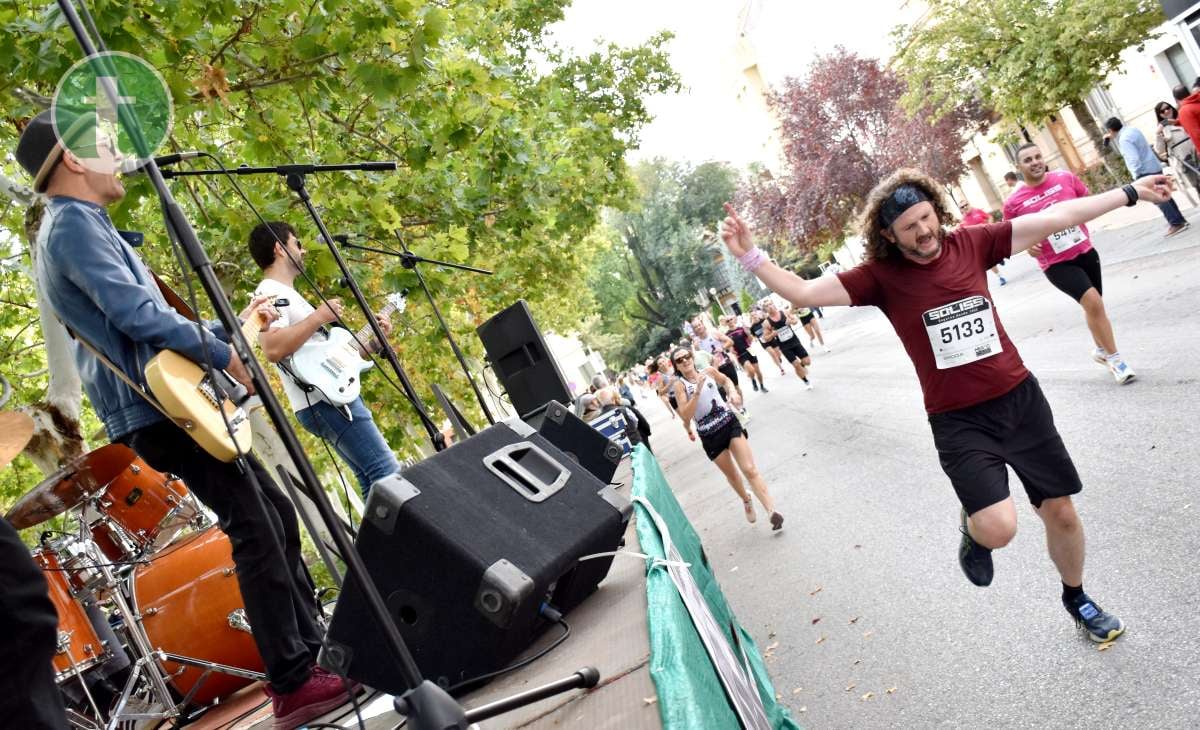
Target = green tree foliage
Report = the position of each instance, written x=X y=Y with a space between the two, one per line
x=661 y=253
x=1026 y=59
x=508 y=150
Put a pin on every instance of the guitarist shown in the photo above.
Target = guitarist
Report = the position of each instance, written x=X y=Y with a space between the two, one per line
x=102 y=290
x=350 y=430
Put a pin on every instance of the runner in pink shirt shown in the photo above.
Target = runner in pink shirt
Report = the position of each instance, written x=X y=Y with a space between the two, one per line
x=1067 y=257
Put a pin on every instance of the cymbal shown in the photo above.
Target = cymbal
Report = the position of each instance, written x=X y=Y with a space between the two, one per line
x=70 y=485
x=15 y=431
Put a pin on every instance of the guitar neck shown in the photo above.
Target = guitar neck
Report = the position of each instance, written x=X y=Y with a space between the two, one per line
x=365 y=331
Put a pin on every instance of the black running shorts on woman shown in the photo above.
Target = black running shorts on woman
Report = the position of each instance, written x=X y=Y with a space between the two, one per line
x=718 y=441
x=1016 y=429
x=1076 y=276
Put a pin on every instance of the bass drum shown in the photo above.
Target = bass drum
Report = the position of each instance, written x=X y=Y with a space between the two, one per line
x=189 y=603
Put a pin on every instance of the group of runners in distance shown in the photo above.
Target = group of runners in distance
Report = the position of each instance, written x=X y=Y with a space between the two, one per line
x=985 y=409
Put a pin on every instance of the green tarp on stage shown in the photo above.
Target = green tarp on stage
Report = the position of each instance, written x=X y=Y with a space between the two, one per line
x=690 y=693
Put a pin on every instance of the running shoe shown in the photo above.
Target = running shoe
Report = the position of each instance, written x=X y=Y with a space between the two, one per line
x=827 y=348
x=1003 y=281
x=975 y=559
x=1100 y=355
x=1122 y=373
x=1100 y=625
x=1172 y=230
x=776 y=521
x=755 y=384
x=807 y=385
x=748 y=504
x=764 y=388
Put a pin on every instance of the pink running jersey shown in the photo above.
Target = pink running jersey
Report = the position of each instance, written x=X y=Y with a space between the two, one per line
x=1058 y=185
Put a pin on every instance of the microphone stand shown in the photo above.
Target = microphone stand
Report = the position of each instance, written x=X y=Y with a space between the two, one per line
x=425 y=705
x=409 y=260
x=294 y=176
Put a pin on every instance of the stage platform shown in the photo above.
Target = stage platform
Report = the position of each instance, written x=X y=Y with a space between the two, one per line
x=608 y=631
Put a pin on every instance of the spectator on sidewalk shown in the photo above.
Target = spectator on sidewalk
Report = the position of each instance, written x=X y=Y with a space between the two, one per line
x=1140 y=160
x=1172 y=143
x=972 y=216
x=1189 y=112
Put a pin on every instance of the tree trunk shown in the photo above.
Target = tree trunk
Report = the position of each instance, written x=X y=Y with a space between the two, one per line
x=57 y=438
x=1062 y=138
x=1084 y=116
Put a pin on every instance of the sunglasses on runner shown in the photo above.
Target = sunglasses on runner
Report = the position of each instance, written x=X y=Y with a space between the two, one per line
x=681 y=358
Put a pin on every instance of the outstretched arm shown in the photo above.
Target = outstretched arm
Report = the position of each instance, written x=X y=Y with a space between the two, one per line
x=826 y=291
x=1030 y=229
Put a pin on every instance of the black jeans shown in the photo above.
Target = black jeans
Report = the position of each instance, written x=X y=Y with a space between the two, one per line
x=28 y=696
x=262 y=528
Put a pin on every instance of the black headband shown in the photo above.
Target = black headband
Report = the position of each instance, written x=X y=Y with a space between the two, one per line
x=901 y=199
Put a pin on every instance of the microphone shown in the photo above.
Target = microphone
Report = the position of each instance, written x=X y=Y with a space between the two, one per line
x=135 y=166
x=347 y=237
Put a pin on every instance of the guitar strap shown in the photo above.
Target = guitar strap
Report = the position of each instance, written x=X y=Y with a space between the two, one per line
x=181 y=422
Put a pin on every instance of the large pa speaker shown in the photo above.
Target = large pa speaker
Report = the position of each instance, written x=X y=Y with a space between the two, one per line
x=521 y=359
x=465 y=547
x=576 y=438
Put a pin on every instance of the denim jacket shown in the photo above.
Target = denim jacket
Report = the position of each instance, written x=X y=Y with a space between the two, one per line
x=101 y=289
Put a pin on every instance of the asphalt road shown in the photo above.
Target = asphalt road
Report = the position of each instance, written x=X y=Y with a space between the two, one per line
x=861 y=593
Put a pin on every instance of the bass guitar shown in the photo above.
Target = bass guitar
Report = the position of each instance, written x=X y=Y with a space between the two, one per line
x=209 y=408
x=333 y=366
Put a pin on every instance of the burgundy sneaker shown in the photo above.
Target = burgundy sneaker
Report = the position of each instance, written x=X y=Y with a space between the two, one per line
x=320 y=694
x=355 y=686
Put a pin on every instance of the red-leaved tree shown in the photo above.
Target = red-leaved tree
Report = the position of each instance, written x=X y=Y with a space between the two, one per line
x=843 y=129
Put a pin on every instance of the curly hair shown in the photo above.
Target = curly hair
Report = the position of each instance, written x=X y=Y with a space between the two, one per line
x=877 y=246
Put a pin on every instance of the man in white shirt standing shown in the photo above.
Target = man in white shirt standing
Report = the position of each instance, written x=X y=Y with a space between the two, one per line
x=350 y=429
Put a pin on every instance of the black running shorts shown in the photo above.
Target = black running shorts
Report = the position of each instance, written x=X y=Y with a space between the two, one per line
x=746 y=357
x=718 y=441
x=806 y=318
x=794 y=351
x=729 y=370
x=1076 y=276
x=975 y=444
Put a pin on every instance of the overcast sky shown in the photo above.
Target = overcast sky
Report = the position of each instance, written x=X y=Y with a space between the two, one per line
x=704 y=122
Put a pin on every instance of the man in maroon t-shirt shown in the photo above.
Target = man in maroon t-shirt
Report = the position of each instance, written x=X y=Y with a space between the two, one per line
x=985 y=409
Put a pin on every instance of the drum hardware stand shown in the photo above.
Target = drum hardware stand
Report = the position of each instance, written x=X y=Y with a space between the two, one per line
x=425 y=705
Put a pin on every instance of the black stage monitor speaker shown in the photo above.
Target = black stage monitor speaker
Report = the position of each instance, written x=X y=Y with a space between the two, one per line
x=521 y=359
x=465 y=547
x=560 y=426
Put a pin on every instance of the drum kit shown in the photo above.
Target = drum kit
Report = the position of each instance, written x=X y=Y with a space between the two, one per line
x=151 y=623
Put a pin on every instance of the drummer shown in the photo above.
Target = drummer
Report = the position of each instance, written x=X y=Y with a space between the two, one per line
x=29 y=697
x=101 y=289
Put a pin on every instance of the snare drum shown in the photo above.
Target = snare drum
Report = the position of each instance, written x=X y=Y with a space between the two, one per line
x=79 y=646
x=189 y=603
x=140 y=509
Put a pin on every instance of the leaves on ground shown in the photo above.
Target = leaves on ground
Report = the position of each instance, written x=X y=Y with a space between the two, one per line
x=797 y=690
x=868 y=696
x=820 y=639
x=891 y=690
x=649 y=700
x=815 y=591
x=855 y=619
x=1105 y=646
x=816 y=620
x=851 y=686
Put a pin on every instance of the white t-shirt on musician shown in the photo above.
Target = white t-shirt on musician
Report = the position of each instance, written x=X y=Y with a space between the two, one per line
x=297 y=310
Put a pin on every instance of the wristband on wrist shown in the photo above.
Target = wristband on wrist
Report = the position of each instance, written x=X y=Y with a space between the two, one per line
x=752 y=259
x=1131 y=194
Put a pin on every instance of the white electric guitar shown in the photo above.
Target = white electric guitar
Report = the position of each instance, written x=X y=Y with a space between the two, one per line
x=333 y=366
